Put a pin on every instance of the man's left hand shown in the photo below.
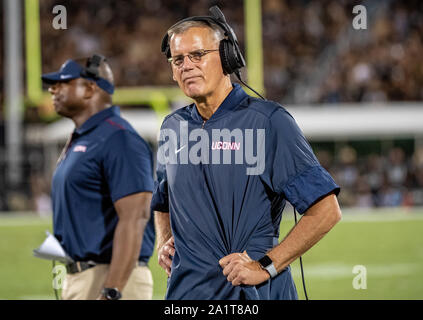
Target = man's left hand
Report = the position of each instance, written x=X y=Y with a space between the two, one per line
x=239 y=269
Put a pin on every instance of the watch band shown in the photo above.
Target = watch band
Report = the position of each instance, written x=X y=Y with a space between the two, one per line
x=267 y=264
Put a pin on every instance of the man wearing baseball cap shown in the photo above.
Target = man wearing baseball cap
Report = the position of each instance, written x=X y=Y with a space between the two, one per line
x=101 y=188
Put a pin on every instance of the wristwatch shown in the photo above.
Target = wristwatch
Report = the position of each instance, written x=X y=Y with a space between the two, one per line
x=267 y=264
x=111 y=294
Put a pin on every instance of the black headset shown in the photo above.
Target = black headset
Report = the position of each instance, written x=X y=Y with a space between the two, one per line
x=91 y=69
x=230 y=53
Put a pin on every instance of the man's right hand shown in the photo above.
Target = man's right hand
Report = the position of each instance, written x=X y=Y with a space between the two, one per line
x=164 y=253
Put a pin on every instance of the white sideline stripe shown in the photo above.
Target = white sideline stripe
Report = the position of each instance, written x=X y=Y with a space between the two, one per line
x=371 y=217
x=338 y=271
x=388 y=217
x=329 y=271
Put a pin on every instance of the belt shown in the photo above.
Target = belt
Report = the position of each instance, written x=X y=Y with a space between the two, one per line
x=79 y=266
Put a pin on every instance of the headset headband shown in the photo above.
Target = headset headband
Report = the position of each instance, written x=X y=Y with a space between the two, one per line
x=91 y=71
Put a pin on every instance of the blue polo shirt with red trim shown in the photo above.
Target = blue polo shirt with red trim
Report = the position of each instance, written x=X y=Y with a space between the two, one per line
x=105 y=161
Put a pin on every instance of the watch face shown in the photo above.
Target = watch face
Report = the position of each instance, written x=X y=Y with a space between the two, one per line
x=112 y=294
x=265 y=261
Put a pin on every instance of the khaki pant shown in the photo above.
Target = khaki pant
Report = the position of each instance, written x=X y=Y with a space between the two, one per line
x=87 y=285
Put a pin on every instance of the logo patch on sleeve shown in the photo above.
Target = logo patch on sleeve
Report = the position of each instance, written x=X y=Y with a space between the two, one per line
x=80 y=148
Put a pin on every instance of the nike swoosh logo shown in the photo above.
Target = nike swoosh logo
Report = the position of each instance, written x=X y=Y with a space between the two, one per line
x=65 y=76
x=177 y=151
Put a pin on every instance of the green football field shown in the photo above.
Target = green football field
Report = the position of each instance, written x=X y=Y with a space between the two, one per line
x=388 y=245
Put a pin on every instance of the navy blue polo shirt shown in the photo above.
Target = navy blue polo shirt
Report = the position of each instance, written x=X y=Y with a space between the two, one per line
x=217 y=206
x=105 y=161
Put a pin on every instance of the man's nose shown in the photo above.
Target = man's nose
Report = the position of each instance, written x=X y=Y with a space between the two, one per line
x=187 y=64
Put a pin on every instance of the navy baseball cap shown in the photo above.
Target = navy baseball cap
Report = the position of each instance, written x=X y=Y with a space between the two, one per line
x=73 y=70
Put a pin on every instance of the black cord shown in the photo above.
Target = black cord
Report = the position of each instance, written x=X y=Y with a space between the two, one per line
x=238 y=75
x=301 y=262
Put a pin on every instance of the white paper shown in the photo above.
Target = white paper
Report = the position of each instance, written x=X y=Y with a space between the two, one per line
x=51 y=249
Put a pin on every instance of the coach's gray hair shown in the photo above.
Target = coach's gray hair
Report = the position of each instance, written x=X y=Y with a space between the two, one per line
x=184 y=26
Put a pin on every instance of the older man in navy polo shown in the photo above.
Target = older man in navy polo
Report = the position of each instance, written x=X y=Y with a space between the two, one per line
x=227 y=165
x=101 y=188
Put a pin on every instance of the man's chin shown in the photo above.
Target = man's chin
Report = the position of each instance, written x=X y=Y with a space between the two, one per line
x=61 y=112
x=58 y=110
x=193 y=93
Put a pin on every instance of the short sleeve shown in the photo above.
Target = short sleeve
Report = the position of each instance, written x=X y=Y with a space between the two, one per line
x=160 y=199
x=292 y=169
x=128 y=165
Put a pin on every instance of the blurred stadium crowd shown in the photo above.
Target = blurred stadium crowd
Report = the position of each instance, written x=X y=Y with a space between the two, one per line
x=303 y=49
x=377 y=180
x=383 y=66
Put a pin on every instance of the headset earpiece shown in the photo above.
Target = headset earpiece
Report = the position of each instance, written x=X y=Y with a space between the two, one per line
x=227 y=56
x=92 y=66
x=166 y=46
x=224 y=57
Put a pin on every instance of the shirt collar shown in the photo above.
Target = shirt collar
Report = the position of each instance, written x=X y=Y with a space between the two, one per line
x=97 y=118
x=233 y=99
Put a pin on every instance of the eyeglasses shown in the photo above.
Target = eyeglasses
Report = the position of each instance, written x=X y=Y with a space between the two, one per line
x=194 y=56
